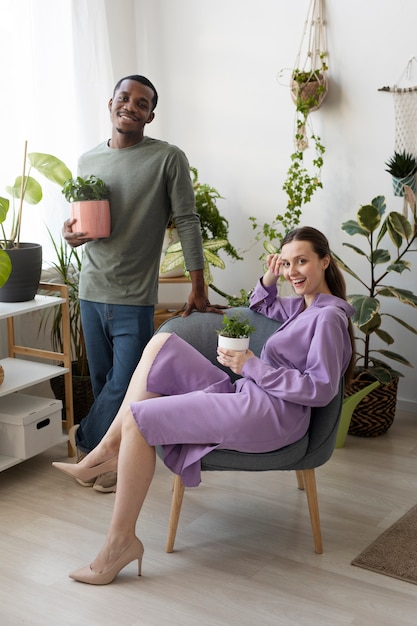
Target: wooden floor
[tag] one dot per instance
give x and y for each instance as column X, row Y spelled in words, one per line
column 244, row 552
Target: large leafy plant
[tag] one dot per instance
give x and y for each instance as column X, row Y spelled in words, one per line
column 25, row 189
column 374, row 226
column 214, row 232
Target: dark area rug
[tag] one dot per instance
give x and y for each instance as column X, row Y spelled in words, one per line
column 394, row 553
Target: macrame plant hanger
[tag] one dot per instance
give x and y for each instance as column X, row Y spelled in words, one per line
column 404, row 93
column 309, row 75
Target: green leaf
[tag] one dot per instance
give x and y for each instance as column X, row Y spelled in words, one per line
column 399, row 266
column 395, row 357
column 369, row 217
column 5, row 267
column 351, row 227
column 365, row 309
column 4, row 207
column 403, row 295
column 404, row 324
column 50, row 166
column 379, row 204
column 384, row 336
column 380, row 256
column 399, row 227
column 32, row 190
column 344, row 267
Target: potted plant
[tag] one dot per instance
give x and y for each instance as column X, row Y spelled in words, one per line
column 20, row 263
column 234, row 333
column 374, row 414
column 90, row 206
column 214, row 230
column 403, row 167
column 66, row 270
column 308, row 89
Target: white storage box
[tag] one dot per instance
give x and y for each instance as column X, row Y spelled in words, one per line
column 29, row 425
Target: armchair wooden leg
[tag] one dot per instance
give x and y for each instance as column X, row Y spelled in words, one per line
column 300, row 479
column 177, row 496
column 313, row 507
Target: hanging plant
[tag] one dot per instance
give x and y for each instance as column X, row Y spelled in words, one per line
column 308, row 88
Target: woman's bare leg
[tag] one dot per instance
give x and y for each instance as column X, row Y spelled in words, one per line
column 109, row 445
column 135, row 470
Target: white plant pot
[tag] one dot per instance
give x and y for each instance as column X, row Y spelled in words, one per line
column 234, row 343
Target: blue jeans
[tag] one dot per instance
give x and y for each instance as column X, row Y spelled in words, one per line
column 115, row 337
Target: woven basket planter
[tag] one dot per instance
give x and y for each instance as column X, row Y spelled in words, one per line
column 82, row 394
column 375, row 413
column 310, row 92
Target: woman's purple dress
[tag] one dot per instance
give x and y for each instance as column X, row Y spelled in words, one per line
column 269, row 407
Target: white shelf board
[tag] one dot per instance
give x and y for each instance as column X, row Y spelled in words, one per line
column 10, row 309
column 19, row 374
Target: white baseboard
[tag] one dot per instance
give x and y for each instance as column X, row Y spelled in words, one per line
column 405, row 405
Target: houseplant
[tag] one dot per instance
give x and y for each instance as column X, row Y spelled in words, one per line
column 403, row 167
column 234, row 333
column 214, row 231
column 90, row 206
column 66, row 270
column 19, row 278
column 308, row 89
column 375, row 413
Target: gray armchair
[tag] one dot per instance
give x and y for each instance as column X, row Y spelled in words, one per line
column 303, row 456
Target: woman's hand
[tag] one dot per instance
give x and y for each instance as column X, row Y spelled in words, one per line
column 274, row 265
column 233, row 359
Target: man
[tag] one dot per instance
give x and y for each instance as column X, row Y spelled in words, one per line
column 149, row 180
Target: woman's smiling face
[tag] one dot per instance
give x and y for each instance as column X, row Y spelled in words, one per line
column 304, row 269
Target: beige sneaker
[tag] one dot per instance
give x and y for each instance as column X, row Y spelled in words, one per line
column 79, row 455
column 106, row 483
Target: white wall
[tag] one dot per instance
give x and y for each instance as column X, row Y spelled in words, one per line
column 215, row 65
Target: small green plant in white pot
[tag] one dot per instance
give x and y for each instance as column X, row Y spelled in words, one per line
column 235, row 333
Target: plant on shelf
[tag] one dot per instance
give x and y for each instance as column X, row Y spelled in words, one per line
column 403, row 167
column 25, row 189
column 214, row 230
column 379, row 263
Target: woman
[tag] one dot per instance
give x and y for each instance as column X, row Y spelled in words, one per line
column 183, row 401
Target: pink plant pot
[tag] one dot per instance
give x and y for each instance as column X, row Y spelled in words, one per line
column 93, row 218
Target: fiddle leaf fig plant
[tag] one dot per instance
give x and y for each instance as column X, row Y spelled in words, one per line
column 374, row 227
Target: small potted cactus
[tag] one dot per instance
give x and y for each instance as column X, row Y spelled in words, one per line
column 403, row 167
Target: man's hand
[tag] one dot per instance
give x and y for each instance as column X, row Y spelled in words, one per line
column 73, row 239
column 197, row 300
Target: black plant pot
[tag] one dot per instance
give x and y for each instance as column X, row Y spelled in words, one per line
column 82, row 394
column 23, row 281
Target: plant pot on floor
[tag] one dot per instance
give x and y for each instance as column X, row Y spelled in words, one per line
column 375, row 414
column 93, row 218
column 23, row 281
column 82, row 394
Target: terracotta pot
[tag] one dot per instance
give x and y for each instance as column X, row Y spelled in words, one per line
column 93, row 218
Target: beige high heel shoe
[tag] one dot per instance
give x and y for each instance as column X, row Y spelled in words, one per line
column 133, row 551
column 86, row 473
